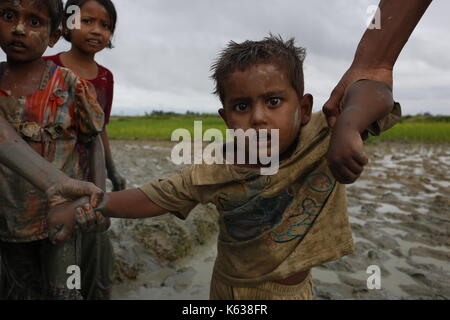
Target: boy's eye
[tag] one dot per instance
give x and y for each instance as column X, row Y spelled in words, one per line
column 240, row 107
column 106, row 26
column 274, row 101
column 8, row 15
column 86, row 21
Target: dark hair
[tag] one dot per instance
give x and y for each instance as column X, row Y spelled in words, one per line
column 55, row 9
column 107, row 4
column 55, row 12
column 272, row 49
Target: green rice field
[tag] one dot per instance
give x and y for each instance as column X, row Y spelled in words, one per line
column 160, row 127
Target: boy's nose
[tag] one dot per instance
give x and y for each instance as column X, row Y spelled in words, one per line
column 259, row 116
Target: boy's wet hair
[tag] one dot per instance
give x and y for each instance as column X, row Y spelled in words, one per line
column 55, row 12
column 107, row 4
column 272, row 49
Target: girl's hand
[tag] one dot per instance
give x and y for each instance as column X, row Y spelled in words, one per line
column 69, row 189
column 119, row 182
column 61, row 220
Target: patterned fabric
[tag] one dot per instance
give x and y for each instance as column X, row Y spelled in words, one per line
column 271, row 227
column 103, row 83
column 54, row 120
column 97, row 252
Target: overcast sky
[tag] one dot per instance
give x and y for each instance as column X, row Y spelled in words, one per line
column 164, row 49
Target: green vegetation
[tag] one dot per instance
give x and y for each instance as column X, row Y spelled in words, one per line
column 418, row 131
column 160, row 125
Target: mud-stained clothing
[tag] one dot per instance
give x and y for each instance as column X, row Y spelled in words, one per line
column 61, row 115
column 271, row 227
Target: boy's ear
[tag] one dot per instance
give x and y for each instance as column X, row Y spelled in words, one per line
column 54, row 38
column 306, row 104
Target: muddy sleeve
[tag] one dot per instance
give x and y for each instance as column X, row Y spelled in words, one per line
column 88, row 113
column 175, row 194
column 381, row 125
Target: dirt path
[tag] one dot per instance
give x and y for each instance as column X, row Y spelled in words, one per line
column 399, row 213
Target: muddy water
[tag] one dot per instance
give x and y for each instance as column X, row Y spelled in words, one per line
column 399, row 213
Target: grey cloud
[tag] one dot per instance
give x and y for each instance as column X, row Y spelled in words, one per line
column 164, row 49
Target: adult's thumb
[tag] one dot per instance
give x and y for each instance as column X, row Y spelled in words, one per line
column 331, row 107
column 96, row 196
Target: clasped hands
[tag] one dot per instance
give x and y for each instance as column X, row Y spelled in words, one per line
column 68, row 215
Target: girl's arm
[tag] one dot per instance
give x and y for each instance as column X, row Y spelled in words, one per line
column 379, row 49
column 97, row 163
column 119, row 183
column 92, row 222
column 17, row 155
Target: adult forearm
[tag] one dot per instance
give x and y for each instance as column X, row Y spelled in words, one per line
column 380, row 48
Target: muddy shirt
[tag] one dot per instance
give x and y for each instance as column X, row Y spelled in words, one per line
column 271, row 227
column 63, row 113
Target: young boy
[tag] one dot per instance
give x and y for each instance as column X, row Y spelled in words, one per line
column 273, row 229
column 54, row 111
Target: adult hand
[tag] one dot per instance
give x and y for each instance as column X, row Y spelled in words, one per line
column 331, row 107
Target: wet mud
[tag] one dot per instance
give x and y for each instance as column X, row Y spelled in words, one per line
column 399, row 213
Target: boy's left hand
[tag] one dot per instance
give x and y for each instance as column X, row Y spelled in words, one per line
column 345, row 155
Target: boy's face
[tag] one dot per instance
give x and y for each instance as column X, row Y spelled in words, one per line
column 25, row 29
column 262, row 97
column 95, row 32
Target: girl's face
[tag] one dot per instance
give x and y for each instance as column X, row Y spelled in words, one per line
column 95, row 32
